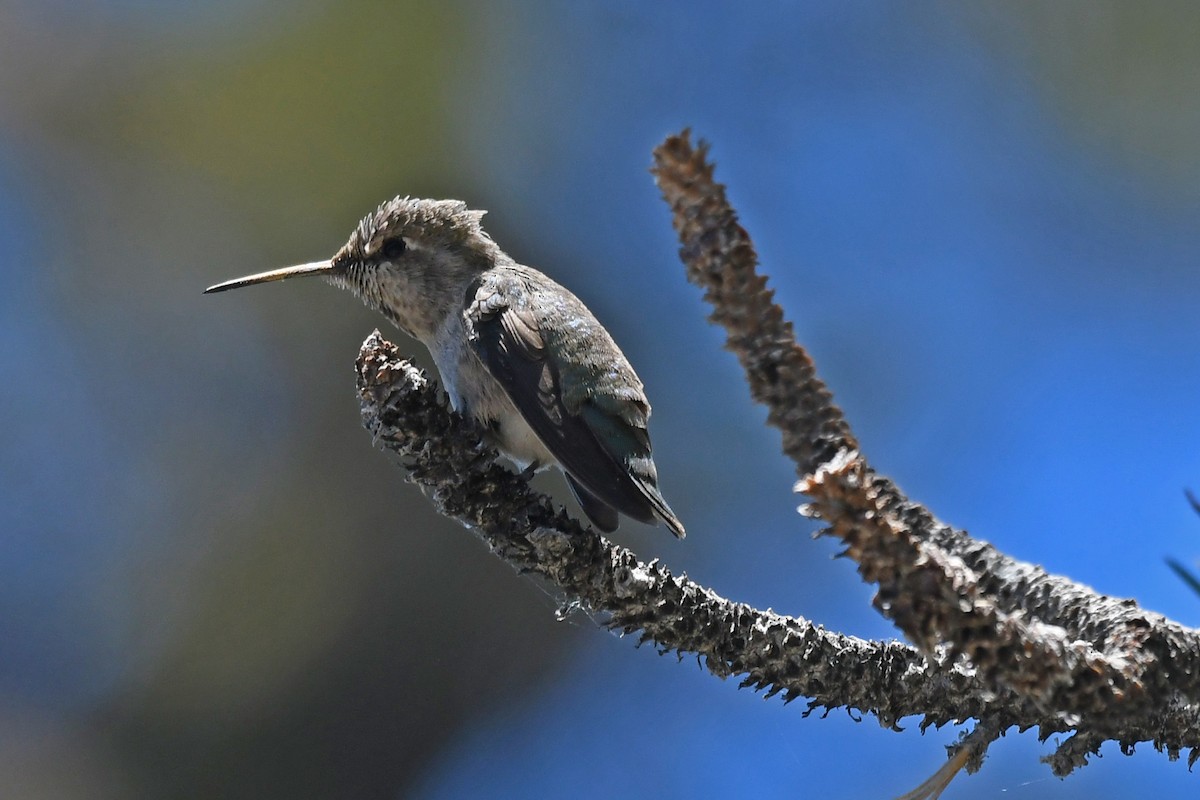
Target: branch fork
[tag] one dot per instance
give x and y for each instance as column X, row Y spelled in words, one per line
column 992, row 639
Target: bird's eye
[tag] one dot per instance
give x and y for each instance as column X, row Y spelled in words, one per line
column 393, row 248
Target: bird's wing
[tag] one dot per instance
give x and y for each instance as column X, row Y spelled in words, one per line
column 592, row 430
column 602, row 515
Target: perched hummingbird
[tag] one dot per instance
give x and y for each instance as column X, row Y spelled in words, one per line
column 515, row 350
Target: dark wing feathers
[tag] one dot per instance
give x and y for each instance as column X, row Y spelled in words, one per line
column 596, row 436
column 532, row 384
column 635, row 443
column 602, row 515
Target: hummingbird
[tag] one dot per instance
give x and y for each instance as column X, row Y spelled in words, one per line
column 516, row 351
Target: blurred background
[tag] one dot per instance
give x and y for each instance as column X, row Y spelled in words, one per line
column 982, row 218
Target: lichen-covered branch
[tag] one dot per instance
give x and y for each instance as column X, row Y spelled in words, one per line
column 1101, row 666
column 719, row 257
column 993, row 639
column 409, row 416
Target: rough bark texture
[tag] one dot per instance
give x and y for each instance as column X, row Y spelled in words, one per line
column 444, row 455
column 994, row 639
column 1101, row 666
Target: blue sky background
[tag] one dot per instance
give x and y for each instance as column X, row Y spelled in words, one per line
column 981, row 219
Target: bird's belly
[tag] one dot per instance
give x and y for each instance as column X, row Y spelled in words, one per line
column 474, row 391
column 515, row 439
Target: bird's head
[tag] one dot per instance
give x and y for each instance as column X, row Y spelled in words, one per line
column 410, row 259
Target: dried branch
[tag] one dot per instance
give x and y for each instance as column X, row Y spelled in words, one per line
column 444, row 455
column 1094, row 663
column 995, row 639
column 719, row 258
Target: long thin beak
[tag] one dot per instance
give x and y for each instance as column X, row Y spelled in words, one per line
column 315, row 268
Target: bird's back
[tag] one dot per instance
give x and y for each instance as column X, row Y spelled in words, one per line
column 573, row 387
